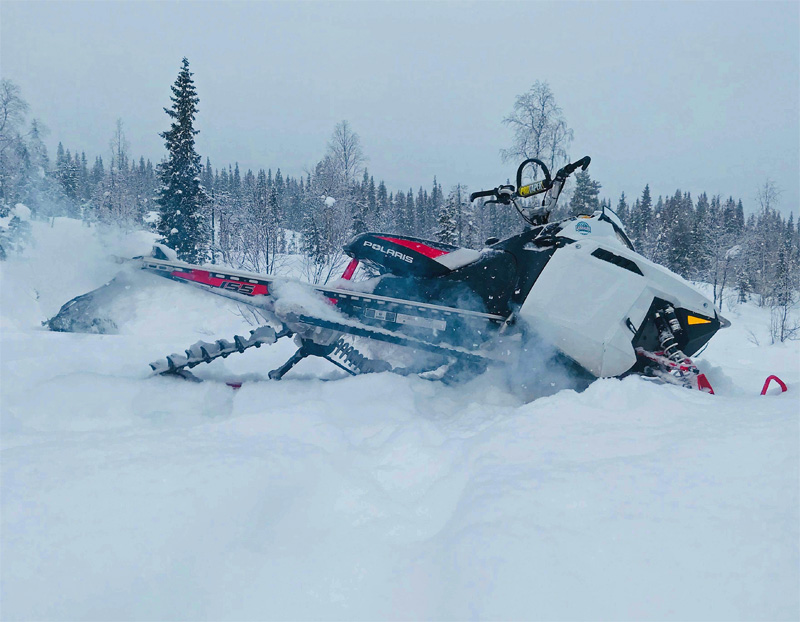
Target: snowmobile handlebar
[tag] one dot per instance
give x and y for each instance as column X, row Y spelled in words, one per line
column 565, row 172
column 505, row 194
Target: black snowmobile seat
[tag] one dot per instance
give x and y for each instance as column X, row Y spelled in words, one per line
column 407, row 256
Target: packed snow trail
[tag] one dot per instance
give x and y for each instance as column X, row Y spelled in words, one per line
column 126, row 496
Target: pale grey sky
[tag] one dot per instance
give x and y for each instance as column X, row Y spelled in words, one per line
column 697, row 96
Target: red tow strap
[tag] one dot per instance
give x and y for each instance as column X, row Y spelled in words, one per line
column 769, row 379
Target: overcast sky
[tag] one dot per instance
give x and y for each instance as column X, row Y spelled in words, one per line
column 696, row 96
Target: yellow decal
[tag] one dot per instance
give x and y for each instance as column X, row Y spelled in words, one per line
column 697, row 320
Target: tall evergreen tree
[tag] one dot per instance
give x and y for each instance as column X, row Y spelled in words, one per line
column 98, row 171
column 641, row 221
column 584, row 199
column 623, row 212
column 382, row 216
column 411, row 211
column 182, row 198
column 447, row 219
column 435, row 205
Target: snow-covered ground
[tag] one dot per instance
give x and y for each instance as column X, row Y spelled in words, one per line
column 373, row 497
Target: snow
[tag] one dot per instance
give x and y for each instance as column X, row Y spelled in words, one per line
column 167, row 252
column 329, row 497
column 21, row 211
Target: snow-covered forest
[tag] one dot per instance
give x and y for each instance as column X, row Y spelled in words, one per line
column 250, row 219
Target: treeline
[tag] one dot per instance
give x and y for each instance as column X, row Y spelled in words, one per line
column 710, row 240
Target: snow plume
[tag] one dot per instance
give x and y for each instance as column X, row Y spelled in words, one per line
column 536, row 369
column 91, row 312
column 300, row 299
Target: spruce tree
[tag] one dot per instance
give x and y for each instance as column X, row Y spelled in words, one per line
column 642, row 217
column 435, row 204
column 623, row 212
column 359, row 213
column 421, row 212
column 382, row 216
column 182, row 198
column 447, row 219
column 584, row 199
column 411, row 212
column 98, row 171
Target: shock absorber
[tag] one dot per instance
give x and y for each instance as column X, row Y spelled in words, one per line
column 667, row 325
column 672, row 320
column 671, row 364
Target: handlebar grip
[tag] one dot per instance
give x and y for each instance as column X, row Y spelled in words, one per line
column 482, row 193
column 582, row 164
column 571, row 168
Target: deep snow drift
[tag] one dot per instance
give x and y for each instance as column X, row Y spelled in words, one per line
column 322, row 496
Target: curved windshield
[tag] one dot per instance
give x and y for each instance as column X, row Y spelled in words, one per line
column 610, row 216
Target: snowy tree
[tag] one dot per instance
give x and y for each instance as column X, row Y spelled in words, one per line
column 382, row 218
column 539, row 127
column 623, row 211
column 400, row 221
column 13, row 151
column 434, row 205
column 39, row 159
column 671, row 237
column 360, row 209
column 13, row 109
column 181, row 198
column 225, row 217
column 724, row 251
column 116, row 194
column 782, row 325
column 447, row 232
column 24, row 165
column 261, row 234
column 346, row 154
column 453, row 225
column 411, row 212
column 15, row 229
column 699, row 243
column 325, row 230
column 98, row 171
column 584, row 197
column 641, row 221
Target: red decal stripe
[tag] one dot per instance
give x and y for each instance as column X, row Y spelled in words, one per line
column 350, row 269
column 204, row 277
column 422, row 249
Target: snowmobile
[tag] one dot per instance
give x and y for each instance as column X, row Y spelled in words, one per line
column 576, row 285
